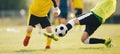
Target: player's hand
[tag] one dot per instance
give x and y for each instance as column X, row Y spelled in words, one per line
column 56, row 11
column 72, row 15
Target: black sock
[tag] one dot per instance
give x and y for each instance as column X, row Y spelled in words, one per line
column 69, row 26
column 96, row 41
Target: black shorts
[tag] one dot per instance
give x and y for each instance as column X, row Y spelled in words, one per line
column 78, row 11
column 91, row 22
column 43, row 21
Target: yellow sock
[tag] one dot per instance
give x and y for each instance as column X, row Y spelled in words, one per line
column 48, row 41
column 56, row 22
column 28, row 34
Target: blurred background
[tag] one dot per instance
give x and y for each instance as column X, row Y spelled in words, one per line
column 14, row 12
column 13, row 15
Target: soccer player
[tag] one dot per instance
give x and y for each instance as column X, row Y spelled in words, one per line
column 38, row 15
column 78, row 6
column 78, row 9
column 64, row 7
column 64, row 12
column 93, row 19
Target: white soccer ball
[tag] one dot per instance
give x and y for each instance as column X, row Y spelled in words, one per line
column 61, row 30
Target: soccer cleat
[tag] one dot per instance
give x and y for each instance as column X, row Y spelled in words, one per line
column 26, row 40
column 51, row 36
column 47, row 47
column 108, row 43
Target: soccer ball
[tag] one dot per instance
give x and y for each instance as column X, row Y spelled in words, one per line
column 61, row 30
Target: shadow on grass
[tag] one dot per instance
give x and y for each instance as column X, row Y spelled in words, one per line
column 30, row 50
column 91, row 48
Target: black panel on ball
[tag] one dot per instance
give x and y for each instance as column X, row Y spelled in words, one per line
column 61, row 28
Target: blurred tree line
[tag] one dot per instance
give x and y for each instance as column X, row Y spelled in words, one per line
column 12, row 8
column 18, row 8
column 12, row 4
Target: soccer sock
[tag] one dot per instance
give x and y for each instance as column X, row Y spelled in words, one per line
column 48, row 40
column 94, row 41
column 70, row 24
column 56, row 22
column 28, row 34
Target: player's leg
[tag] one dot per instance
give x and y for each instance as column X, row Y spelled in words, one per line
column 63, row 21
column 71, row 23
column 50, row 36
column 28, row 35
column 92, row 23
column 74, row 21
column 31, row 24
column 57, row 22
column 78, row 11
column 85, row 39
column 64, row 12
column 90, row 28
column 46, row 24
column 49, row 32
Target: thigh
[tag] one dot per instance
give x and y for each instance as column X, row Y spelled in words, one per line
column 44, row 22
column 33, row 20
column 84, row 18
column 91, row 29
column 92, row 24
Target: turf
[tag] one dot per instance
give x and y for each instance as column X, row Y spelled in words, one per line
column 11, row 42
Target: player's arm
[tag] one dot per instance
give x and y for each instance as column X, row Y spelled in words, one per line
column 56, row 10
column 54, row 3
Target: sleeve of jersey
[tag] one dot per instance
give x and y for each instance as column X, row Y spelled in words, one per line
column 54, row 3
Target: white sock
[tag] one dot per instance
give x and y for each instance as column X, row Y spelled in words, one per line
column 71, row 22
column 87, row 41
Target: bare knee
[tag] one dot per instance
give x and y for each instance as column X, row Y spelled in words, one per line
column 48, row 29
column 84, row 37
column 83, row 40
column 29, row 29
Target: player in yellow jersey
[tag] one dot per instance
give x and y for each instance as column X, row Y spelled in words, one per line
column 93, row 19
column 78, row 9
column 78, row 6
column 38, row 15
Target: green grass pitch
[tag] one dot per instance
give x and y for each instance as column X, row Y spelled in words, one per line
column 11, row 42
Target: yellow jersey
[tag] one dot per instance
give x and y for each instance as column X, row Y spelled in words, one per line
column 40, row 8
column 77, row 3
column 104, row 9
